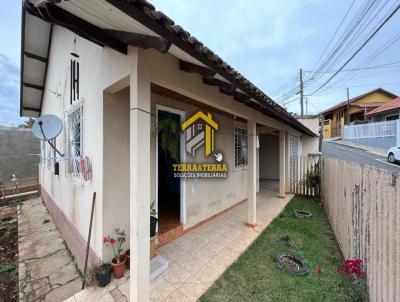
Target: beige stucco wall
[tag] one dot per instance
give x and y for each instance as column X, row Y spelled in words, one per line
column 205, row 197
column 269, row 156
column 311, row 123
column 309, row 144
column 116, row 164
column 99, row 68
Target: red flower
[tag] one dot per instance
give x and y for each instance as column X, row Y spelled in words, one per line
column 105, row 240
column 112, row 241
column 354, row 267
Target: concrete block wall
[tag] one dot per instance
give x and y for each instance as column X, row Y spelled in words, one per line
column 19, row 153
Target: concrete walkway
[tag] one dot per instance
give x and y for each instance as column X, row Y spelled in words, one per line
column 199, row 257
column 46, row 270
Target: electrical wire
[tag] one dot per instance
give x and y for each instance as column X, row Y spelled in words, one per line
column 366, row 61
column 359, row 49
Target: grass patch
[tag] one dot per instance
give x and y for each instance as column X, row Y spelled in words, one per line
column 7, row 268
column 255, row 276
column 16, row 202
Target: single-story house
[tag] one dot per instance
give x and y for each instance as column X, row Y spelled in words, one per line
column 387, row 112
column 113, row 71
column 336, row 117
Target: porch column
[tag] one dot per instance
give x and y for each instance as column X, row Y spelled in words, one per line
column 282, row 164
column 140, row 135
column 251, row 173
column 287, row 168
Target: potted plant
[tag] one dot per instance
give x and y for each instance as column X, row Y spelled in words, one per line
column 128, row 258
column 103, row 275
column 116, row 241
column 99, row 274
column 153, row 219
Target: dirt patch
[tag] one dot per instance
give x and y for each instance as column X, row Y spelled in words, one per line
column 9, row 251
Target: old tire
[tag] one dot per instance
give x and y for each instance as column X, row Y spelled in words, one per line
column 302, row 214
column 302, row 266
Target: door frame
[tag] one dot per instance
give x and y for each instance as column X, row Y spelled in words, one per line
column 182, row 209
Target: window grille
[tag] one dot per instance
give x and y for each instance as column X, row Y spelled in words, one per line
column 240, row 146
column 74, row 142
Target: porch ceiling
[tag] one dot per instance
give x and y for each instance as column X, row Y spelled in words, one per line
column 35, row 43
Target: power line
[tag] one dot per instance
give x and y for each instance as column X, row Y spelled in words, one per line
column 369, row 59
column 345, row 39
column 359, row 49
column 336, row 31
column 382, row 66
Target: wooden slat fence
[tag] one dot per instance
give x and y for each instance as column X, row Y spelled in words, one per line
column 299, row 168
column 363, row 207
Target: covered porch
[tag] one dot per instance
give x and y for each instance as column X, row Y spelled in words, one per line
column 133, row 170
column 202, row 254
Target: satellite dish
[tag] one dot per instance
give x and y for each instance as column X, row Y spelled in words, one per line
column 46, row 128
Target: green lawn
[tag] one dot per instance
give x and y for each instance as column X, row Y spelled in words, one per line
column 255, row 276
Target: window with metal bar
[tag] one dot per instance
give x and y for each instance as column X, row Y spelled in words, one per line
column 74, row 141
column 240, row 136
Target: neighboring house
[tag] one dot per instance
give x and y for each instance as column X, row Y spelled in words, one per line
column 335, row 117
column 19, row 153
column 387, row 112
column 111, row 71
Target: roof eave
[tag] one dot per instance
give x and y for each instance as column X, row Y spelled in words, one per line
column 144, row 13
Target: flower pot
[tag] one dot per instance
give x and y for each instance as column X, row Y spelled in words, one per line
column 118, row 268
column 103, row 276
column 128, row 259
column 153, row 225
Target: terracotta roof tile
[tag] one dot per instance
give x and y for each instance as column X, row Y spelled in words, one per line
column 169, row 24
column 394, row 104
column 344, row 103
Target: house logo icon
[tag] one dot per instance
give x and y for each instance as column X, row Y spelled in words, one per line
column 200, row 130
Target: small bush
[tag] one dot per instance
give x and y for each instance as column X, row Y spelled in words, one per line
column 313, row 178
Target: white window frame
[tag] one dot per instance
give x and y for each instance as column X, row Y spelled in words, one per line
column 242, row 127
column 72, row 160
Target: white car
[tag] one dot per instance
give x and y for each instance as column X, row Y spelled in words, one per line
column 393, row 154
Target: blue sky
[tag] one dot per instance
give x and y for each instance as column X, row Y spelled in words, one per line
column 267, row 41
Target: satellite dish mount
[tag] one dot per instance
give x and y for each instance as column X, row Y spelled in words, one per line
column 46, row 128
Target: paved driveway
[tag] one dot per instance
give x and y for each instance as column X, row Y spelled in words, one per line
column 354, row 154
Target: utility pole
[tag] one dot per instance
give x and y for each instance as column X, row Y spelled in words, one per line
column 348, row 107
column 301, row 92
